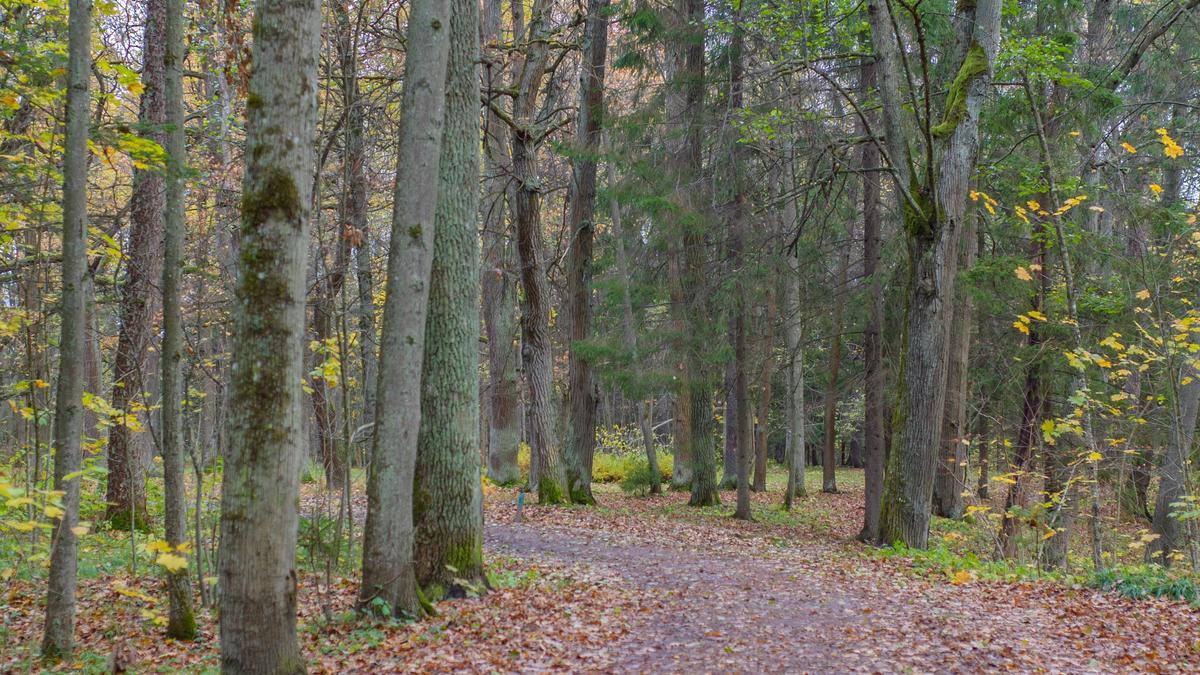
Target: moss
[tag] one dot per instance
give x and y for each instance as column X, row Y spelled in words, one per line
column 549, row 491
column 415, row 231
column 975, row 64
column 253, row 101
column 182, row 626
column 278, row 195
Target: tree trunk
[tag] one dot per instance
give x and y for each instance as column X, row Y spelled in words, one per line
column 874, row 409
column 983, row 439
column 536, row 354
column 581, row 396
column 729, row 478
column 828, row 461
column 181, row 623
column 934, row 206
column 140, row 297
column 502, row 394
column 1173, row 484
column 795, row 344
column 261, row 478
column 447, row 495
column 58, row 639
column 762, row 428
column 388, row 572
column 951, row 479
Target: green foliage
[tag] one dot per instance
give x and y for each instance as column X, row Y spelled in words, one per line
column 1145, row 581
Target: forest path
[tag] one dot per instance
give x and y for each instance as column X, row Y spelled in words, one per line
column 719, row 595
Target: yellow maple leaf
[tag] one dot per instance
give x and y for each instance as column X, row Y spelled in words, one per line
column 1143, row 294
column 158, row 546
column 1129, row 148
column 1023, row 274
column 173, row 563
column 962, row 577
column 1156, row 188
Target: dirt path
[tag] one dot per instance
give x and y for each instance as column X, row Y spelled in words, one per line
column 728, row 599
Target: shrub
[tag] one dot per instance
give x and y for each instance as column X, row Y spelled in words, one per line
column 1145, row 581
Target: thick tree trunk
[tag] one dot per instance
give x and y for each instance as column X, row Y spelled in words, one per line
column 934, row 208
column 58, row 639
column 389, row 577
column 181, row 623
column 581, row 394
column 261, row 478
column 447, row 495
column 140, row 297
column 951, row 479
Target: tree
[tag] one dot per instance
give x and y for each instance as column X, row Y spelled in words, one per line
column 59, row 637
column 262, row 470
column 140, row 299
column 388, row 572
column 933, row 201
column 181, row 624
column 447, row 495
column 581, row 396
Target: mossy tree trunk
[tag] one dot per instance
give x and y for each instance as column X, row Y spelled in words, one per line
column 262, row 470
column 447, row 495
column 933, row 196
column 951, row 479
column 58, row 639
column 181, row 623
column 388, row 572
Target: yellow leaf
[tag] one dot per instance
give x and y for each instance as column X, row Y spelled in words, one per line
column 1023, row 274
column 1094, row 456
column 1156, row 188
column 80, row 530
column 158, row 546
column 962, row 577
column 52, row 511
column 1143, row 294
column 1129, row 148
column 173, row 563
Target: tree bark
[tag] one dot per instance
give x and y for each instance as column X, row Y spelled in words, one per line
column 181, row 623
column 388, row 572
column 874, row 408
column 536, row 354
column 581, row 396
column 58, row 639
column 934, row 205
column 447, row 495
column 140, row 297
column 762, row 428
column 261, row 478
column 498, row 293
column 951, row 479
column 1174, row 480
column 795, row 344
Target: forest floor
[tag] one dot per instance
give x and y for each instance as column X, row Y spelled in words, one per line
column 647, row 584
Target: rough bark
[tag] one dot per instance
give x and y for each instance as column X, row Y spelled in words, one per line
column 140, row 295
column 765, row 375
column 934, row 205
column 729, row 456
column 181, row 623
column 261, row 478
column 581, row 385
column 447, row 495
column 58, row 639
column 536, row 354
column 951, row 479
column 388, row 572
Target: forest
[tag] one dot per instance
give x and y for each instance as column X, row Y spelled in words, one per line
column 599, row 336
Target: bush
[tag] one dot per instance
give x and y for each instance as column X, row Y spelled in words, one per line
column 638, row 479
column 609, row 467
